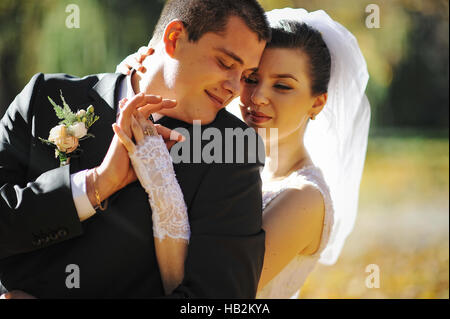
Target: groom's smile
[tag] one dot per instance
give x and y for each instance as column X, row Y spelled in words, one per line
column 217, row 101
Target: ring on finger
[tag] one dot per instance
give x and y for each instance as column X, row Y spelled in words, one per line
column 149, row 131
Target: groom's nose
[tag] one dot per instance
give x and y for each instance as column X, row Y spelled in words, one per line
column 233, row 84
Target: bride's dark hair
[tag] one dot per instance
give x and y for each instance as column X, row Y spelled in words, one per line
column 297, row 35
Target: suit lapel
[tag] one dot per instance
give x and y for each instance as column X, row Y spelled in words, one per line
column 104, row 95
column 105, row 91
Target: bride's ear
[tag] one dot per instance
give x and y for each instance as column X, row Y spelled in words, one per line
column 175, row 31
column 319, row 103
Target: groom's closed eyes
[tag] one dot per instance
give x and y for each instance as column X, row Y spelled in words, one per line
column 230, row 55
column 227, row 60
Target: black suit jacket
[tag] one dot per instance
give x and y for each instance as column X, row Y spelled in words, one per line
column 41, row 235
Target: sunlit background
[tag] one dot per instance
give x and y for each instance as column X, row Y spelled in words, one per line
column 403, row 221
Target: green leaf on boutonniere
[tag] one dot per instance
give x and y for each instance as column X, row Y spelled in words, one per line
column 91, row 118
column 64, row 113
column 70, row 116
column 58, row 109
column 63, row 158
column 94, row 120
column 47, row 142
column 88, row 135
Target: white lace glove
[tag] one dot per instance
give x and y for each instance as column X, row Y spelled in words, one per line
column 153, row 166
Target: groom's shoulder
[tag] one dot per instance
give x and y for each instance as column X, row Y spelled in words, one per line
column 42, row 85
column 226, row 120
column 63, row 79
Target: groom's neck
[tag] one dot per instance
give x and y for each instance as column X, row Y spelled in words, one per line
column 152, row 82
column 148, row 84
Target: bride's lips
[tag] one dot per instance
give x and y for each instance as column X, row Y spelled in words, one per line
column 258, row 117
column 216, row 100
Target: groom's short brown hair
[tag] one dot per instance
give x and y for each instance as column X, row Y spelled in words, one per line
column 202, row 16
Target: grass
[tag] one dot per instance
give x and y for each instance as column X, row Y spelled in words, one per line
column 402, row 225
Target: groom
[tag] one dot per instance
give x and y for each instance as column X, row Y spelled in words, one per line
column 49, row 230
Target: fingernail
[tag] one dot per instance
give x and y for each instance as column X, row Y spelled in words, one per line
column 180, row 137
column 6, row 296
column 174, row 136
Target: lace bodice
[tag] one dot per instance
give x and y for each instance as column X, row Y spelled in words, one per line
column 288, row 282
column 154, row 169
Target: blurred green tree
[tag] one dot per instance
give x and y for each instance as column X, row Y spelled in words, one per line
column 418, row 96
column 34, row 38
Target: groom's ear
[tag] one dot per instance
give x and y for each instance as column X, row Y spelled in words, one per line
column 175, row 31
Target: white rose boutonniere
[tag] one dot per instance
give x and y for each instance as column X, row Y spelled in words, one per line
column 78, row 130
column 64, row 141
column 73, row 128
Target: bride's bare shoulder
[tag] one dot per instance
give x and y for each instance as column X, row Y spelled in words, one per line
column 299, row 209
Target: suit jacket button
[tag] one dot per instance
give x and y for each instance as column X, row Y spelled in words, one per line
column 62, row 232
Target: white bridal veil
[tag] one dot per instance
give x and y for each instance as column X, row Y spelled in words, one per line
column 337, row 139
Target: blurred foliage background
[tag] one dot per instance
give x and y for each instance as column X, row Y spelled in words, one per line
column 402, row 224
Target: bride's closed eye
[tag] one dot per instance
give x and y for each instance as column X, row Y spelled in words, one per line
column 283, row 87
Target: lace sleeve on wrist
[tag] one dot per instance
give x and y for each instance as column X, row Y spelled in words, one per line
column 154, row 169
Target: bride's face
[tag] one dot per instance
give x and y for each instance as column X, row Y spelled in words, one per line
column 278, row 95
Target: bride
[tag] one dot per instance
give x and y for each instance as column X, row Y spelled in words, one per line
column 313, row 70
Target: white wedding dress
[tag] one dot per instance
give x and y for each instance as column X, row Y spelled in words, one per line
column 288, row 282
